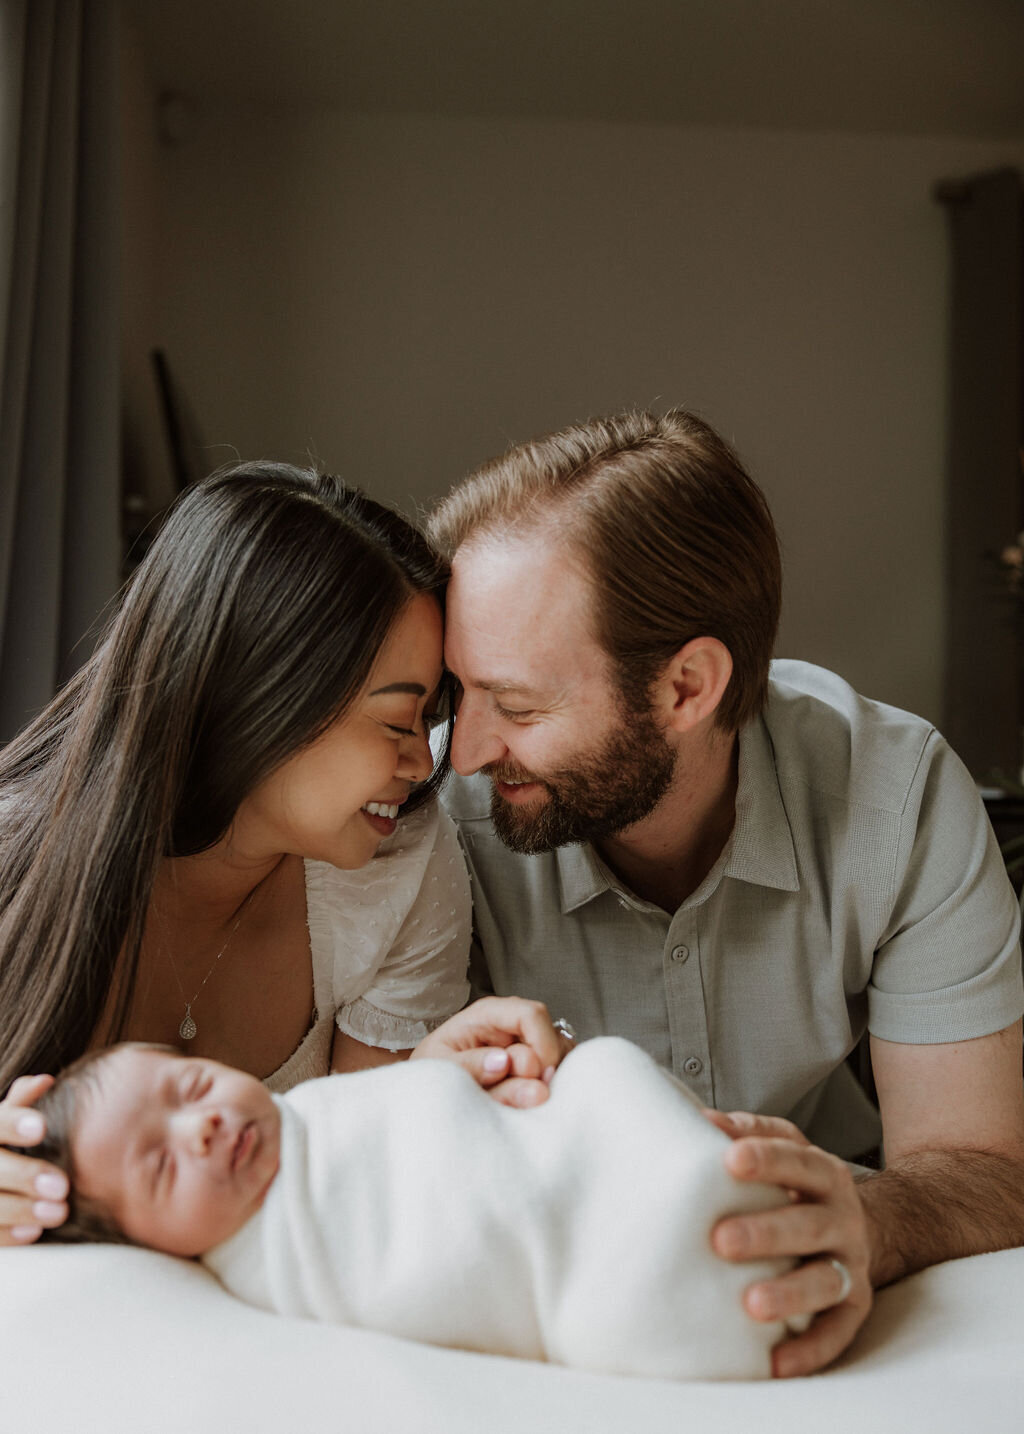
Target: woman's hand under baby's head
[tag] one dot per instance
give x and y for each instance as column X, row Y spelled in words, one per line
column 178, row 1150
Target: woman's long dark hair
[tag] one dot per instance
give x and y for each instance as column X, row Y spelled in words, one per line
column 251, row 624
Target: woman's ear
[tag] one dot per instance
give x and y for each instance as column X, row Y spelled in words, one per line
column 692, row 683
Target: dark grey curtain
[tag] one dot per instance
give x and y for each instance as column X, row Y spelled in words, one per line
column 59, row 340
column 984, row 706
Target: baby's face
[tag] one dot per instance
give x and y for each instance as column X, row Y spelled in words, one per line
column 181, row 1151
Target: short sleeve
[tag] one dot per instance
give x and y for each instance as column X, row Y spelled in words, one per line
column 949, row 965
column 419, row 978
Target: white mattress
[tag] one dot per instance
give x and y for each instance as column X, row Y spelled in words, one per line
column 118, row 1340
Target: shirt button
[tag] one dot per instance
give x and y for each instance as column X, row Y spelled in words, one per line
column 693, row 1066
column 680, row 953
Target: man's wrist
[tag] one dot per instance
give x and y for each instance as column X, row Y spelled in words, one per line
column 938, row 1205
column 884, row 1262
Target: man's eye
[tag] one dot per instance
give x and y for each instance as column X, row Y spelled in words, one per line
column 511, row 713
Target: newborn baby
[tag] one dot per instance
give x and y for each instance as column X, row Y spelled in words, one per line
column 403, row 1199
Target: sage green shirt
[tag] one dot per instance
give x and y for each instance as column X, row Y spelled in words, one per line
column 861, row 887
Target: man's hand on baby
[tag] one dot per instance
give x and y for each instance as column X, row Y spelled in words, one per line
column 508, row 1045
column 824, row 1222
column 32, row 1194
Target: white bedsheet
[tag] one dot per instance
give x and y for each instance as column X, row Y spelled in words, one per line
column 121, row 1341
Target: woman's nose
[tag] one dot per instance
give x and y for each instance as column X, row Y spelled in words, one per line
column 415, row 760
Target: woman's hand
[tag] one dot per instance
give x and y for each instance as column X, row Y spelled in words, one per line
column 508, row 1045
column 33, row 1195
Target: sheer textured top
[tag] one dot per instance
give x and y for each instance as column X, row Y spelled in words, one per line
column 389, row 944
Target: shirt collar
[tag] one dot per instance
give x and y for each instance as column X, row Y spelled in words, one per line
column 760, row 850
column 581, row 876
column 762, row 845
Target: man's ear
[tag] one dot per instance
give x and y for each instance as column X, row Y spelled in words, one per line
column 693, row 682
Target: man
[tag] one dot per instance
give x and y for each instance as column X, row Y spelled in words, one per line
column 742, row 871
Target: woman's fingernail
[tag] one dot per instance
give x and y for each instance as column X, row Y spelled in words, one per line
column 48, row 1212
column 25, row 1234
column 30, row 1126
column 52, row 1186
column 495, row 1061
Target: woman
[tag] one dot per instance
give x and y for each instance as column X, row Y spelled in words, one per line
column 183, row 829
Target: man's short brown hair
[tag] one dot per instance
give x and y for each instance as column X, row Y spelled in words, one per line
column 677, row 539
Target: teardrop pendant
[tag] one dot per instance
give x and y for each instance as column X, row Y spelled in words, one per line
column 187, row 1029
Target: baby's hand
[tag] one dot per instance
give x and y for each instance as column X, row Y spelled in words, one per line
column 508, row 1045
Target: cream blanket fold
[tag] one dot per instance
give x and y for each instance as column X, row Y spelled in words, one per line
column 578, row 1232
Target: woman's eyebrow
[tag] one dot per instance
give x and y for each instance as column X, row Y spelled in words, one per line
column 414, row 689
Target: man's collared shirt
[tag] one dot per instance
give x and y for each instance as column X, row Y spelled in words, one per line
column 862, row 887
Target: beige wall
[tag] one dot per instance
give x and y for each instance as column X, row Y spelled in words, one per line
column 403, row 296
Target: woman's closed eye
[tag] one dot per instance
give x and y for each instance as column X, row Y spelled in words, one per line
column 400, row 731
column 431, row 720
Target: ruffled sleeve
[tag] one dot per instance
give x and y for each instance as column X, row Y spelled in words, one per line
column 396, row 933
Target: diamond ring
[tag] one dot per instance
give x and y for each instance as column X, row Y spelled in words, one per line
column 564, row 1029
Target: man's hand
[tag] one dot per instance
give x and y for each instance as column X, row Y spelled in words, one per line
column 508, row 1045
column 824, row 1221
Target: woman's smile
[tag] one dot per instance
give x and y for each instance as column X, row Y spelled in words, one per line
column 382, row 816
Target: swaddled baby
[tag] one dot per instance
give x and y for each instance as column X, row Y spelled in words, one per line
column 403, row 1199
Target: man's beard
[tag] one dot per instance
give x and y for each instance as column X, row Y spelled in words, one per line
column 607, row 791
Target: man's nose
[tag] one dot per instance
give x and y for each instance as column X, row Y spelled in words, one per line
column 196, row 1127
column 474, row 742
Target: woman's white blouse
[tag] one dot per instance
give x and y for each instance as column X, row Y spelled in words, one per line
column 389, row 942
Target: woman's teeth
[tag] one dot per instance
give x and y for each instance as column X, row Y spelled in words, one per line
column 382, row 809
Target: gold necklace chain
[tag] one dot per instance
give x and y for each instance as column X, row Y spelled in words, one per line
column 188, row 1028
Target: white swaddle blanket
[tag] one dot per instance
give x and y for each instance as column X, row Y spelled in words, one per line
column 578, row 1232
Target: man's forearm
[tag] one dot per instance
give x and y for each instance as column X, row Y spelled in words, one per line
column 941, row 1205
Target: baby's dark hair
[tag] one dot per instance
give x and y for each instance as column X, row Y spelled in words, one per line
column 88, row 1222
